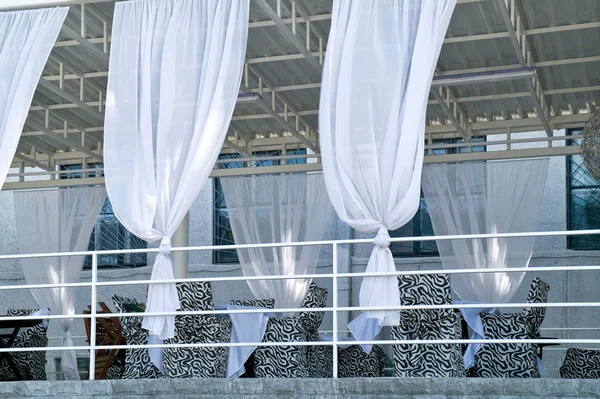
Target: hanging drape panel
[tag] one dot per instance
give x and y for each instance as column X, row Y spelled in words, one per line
column 277, row 208
column 175, row 71
column 26, row 39
column 50, row 221
column 485, row 198
column 381, row 57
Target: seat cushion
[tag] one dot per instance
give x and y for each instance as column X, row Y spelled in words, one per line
column 282, row 361
column 424, row 360
column 137, row 360
column 353, row 362
column 506, row 360
column 581, row 363
column 31, row 365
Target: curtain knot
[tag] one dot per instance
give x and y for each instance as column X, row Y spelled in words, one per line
column 165, row 246
column 382, row 239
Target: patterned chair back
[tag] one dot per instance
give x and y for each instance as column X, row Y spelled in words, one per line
column 425, row 289
column 538, row 293
column 581, row 363
column 316, row 297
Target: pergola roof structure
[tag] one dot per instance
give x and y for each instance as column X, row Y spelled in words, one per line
column 506, row 67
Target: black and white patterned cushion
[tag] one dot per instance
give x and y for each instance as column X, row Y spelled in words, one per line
column 197, row 362
column 435, row 360
column 137, row 360
column 31, row 365
column 195, row 295
column 581, row 363
column 424, row 360
column 424, row 289
column 316, row 297
column 353, row 362
column 255, row 303
column 508, row 360
column 534, row 316
column 292, row 361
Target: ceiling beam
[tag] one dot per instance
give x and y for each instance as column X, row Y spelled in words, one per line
column 32, row 162
column 65, row 140
column 285, row 124
column 69, row 97
column 237, row 148
column 90, row 48
column 513, row 21
column 451, row 114
column 289, row 35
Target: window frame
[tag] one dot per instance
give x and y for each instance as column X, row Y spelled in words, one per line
column 577, row 243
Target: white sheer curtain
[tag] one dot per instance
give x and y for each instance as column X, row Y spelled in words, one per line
column 175, row 71
column 50, row 221
column 485, row 198
column 26, row 39
column 277, row 208
column 381, row 57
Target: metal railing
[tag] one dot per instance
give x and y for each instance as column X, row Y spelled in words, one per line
column 335, row 275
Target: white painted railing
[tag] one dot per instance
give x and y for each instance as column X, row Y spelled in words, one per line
column 334, row 309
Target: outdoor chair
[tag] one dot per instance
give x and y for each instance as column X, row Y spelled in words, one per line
column 512, row 360
column 137, row 360
column 291, row 361
column 110, row 364
column 435, row 360
column 197, row 362
column 581, row 363
column 30, row 365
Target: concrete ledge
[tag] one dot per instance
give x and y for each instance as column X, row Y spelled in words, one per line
column 368, row 388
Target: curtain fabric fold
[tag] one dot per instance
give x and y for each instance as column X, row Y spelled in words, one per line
column 175, row 71
column 26, row 39
column 381, row 57
column 277, row 208
column 485, row 198
column 50, row 221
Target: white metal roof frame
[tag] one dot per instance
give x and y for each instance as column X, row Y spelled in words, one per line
column 506, row 67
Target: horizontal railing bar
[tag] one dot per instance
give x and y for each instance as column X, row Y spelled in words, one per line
column 313, row 343
column 309, row 276
column 303, row 310
column 307, row 243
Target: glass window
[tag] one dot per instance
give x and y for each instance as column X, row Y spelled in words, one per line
column 222, row 234
column 109, row 233
column 583, row 200
column 420, row 225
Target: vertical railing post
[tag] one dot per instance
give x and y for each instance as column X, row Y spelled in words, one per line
column 335, row 309
column 92, row 372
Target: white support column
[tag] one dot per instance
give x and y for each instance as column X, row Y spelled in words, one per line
column 181, row 238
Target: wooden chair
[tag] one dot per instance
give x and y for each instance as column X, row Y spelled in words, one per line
column 109, row 363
